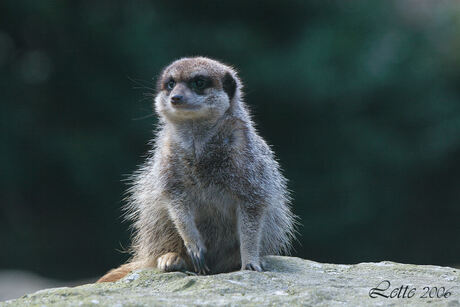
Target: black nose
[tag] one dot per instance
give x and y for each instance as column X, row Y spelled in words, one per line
column 176, row 99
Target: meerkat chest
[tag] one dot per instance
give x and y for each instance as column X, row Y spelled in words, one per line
column 208, row 170
column 205, row 178
column 211, row 169
column 202, row 155
column 212, row 200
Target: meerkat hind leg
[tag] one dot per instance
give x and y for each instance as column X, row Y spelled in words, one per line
column 171, row 262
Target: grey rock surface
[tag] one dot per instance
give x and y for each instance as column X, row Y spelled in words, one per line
column 287, row 282
column 15, row 283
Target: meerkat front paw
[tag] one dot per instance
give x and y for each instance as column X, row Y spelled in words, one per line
column 252, row 266
column 196, row 253
column 171, row 262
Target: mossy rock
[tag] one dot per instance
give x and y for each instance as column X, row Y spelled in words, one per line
column 288, row 281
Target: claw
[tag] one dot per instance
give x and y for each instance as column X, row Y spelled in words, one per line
column 202, row 264
column 263, row 265
column 198, row 260
column 253, row 267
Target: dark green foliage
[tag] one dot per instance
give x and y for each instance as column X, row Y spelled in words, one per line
column 360, row 101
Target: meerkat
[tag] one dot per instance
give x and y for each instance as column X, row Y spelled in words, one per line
column 210, row 198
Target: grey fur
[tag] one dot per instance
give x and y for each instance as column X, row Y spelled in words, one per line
column 211, row 191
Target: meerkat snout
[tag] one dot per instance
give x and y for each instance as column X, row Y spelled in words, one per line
column 180, row 95
column 177, row 99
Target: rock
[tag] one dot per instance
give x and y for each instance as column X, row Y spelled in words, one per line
column 15, row 283
column 288, row 281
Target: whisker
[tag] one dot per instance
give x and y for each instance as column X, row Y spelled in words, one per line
column 144, row 99
column 141, row 84
column 145, row 85
column 144, row 117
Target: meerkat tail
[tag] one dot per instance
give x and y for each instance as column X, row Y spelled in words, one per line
column 120, row 272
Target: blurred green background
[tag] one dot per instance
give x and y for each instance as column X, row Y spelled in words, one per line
column 360, row 100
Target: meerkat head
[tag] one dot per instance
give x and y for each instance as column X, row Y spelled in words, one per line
column 196, row 88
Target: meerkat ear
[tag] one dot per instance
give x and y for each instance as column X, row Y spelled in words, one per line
column 229, row 85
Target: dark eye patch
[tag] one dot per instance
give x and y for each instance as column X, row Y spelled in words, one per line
column 199, row 83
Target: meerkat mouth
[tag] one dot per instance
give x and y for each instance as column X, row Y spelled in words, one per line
column 185, row 106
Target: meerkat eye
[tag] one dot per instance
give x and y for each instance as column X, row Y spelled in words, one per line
column 198, row 84
column 170, row 85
